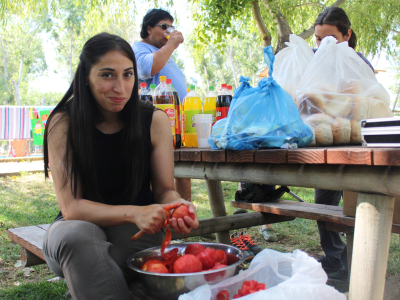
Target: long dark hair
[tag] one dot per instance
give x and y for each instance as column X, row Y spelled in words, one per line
column 337, row 16
column 151, row 18
column 81, row 107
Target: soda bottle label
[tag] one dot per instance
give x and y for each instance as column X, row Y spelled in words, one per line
column 170, row 111
column 221, row 113
column 190, row 125
column 211, row 112
column 178, row 123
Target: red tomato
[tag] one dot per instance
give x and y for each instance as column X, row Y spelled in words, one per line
column 208, row 258
column 188, row 263
column 157, row 268
column 223, row 259
column 212, row 276
column 232, row 258
column 150, row 263
column 223, row 295
column 194, row 249
column 181, row 212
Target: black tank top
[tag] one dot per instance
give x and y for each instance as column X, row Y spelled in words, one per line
column 108, row 160
column 109, row 164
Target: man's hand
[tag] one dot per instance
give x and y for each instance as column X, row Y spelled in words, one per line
column 175, row 39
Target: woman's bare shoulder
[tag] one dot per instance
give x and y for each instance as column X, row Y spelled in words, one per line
column 58, row 126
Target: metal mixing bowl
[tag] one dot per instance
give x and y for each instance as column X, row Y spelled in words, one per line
column 170, row 286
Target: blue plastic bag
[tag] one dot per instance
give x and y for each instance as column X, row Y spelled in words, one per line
column 261, row 117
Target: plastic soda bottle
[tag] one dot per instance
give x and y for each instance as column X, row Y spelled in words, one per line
column 230, row 91
column 152, row 91
column 223, row 103
column 164, row 100
column 178, row 139
column 191, row 107
column 144, row 93
column 209, row 106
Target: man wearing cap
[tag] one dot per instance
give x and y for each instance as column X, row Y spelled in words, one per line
column 153, row 56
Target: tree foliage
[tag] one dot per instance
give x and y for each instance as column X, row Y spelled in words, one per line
column 373, row 21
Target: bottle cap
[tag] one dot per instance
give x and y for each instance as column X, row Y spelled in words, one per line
column 211, row 88
column 188, row 90
column 222, row 85
column 143, row 85
column 229, row 87
column 192, row 87
column 163, row 78
column 153, row 86
column 169, row 81
column 172, row 85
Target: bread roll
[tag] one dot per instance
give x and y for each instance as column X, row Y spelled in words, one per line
column 313, row 143
column 328, row 90
column 378, row 109
column 323, row 134
column 340, row 106
column 316, row 119
column 341, row 131
column 355, row 137
column 360, row 108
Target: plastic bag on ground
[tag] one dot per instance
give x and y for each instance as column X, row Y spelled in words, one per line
column 260, row 117
column 291, row 63
column 287, row 276
column 338, row 90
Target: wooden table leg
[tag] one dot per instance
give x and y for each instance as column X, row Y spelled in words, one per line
column 371, row 246
column 217, row 204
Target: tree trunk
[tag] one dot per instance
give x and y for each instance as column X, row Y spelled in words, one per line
column 17, row 83
column 70, row 56
column 205, row 72
column 282, row 24
column 309, row 32
column 231, row 54
column 397, row 98
column 4, row 69
column 260, row 24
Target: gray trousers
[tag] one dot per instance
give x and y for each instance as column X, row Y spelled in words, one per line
column 93, row 260
column 331, row 242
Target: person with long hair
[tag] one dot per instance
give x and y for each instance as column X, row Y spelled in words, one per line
column 333, row 21
column 111, row 160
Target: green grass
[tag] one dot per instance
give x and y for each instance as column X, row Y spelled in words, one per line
column 30, row 200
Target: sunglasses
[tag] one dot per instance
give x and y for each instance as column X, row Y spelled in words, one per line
column 165, row 26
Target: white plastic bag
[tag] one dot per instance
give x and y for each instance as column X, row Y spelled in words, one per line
column 287, row 276
column 291, row 63
column 338, row 90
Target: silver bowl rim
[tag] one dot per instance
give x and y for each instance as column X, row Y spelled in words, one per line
column 242, row 259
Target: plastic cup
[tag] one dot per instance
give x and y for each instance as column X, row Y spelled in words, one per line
column 203, row 129
column 168, row 32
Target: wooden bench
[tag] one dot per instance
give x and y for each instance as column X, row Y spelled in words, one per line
column 31, row 237
column 333, row 215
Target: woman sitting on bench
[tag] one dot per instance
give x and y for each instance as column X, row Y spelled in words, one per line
column 105, row 148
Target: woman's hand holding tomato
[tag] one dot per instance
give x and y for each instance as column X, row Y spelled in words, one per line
column 151, row 219
column 184, row 219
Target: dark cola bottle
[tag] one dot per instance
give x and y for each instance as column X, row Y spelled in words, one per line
column 144, row 93
column 178, row 136
column 223, row 103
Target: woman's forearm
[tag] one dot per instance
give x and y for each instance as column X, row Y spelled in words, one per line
column 100, row 214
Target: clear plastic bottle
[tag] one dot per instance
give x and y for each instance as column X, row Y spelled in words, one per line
column 209, row 106
column 191, row 107
column 164, row 100
column 144, row 93
column 152, row 91
column 178, row 109
column 223, row 103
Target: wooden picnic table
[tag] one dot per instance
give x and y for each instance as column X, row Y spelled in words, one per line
column 373, row 172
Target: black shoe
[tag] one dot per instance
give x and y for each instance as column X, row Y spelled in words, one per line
column 330, row 264
column 256, row 193
column 342, row 275
column 252, row 245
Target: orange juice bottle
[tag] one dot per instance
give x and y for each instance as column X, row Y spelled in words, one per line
column 191, row 107
column 164, row 100
column 209, row 106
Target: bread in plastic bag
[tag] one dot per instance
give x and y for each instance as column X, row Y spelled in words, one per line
column 287, row 276
column 291, row 63
column 260, row 117
column 339, row 84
